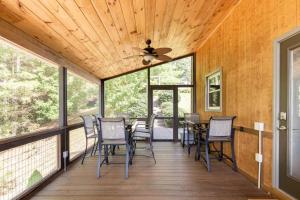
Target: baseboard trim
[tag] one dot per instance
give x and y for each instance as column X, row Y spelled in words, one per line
column 273, row 192
column 280, row 194
column 252, row 179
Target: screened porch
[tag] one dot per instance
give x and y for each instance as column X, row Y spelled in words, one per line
column 149, row 99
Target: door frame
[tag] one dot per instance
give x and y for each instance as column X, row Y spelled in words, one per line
column 175, row 107
column 276, row 105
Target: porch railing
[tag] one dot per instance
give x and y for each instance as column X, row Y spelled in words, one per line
column 29, row 160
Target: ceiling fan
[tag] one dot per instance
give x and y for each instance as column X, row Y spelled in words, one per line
column 149, row 53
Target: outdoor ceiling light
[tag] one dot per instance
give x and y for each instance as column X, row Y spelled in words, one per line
column 148, row 57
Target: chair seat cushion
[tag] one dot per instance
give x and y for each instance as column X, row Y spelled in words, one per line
column 116, row 142
column 141, row 134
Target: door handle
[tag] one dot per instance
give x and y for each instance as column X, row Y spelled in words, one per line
column 282, row 128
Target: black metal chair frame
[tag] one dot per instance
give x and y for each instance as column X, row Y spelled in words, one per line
column 101, row 143
column 220, row 154
column 94, row 136
column 186, row 129
column 148, row 129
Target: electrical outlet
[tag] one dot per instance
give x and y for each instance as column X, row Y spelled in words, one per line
column 259, row 126
column 258, row 157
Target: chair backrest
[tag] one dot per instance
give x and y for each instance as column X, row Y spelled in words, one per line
column 97, row 123
column 126, row 116
column 88, row 124
column 151, row 123
column 112, row 129
column 192, row 117
column 220, row 126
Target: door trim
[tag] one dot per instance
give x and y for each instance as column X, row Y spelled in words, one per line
column 276, row 86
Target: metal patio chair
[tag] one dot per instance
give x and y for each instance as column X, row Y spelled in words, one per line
column 112, row 132
column 188, row 136
column 97, row 124
column 220, row 130
column 126, row 116
column 144, row 132
column 89, row 129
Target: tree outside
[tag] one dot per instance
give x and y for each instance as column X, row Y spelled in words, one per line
column 128, row 93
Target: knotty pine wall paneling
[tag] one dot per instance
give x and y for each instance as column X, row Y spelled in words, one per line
column 243, row 47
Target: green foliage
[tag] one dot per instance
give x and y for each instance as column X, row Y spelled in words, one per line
column 127, row 94
column 178, row 72
column 28, row 92
column 82, row 97
column 35, row 177
column 167, row 109
column 164, row 97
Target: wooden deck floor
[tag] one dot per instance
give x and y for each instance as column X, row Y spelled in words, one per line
column 175, row 176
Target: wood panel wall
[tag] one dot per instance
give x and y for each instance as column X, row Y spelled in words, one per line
column 243, row 47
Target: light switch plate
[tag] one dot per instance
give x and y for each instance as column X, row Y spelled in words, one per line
column 259, row 126
column 65, row 154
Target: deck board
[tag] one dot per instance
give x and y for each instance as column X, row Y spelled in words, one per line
column 175, row 176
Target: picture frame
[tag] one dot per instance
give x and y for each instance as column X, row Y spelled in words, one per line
column 213, row 91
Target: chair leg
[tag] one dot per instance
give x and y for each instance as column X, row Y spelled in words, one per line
column 96, row 148
column 106, row 153
column 207, row 155
column 183, row 136
column 84, row 151
column 134, row 148
column 130, row 153
column 127, row 162
column 234, row 166
column 221, row 152
column 151, row 148
column 93, row 149
column 188, row 141
column 99, row 160
column 113, row 150
column 198, row 150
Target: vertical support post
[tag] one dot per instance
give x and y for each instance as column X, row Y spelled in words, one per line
column 64, row 137
column 102, row 98
column 149, row 112
column 194, row 98
column 99, row 98
column 175, row 109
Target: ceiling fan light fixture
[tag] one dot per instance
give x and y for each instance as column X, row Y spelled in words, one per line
column 148, row 57
column 149, row 53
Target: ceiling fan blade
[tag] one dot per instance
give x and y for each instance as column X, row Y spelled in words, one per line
column 134, row 56
column 146, row 62
column 163, row 58
column 160, row 51
column 139, row 50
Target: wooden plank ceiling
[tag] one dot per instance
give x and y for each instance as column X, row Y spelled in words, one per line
column 97, row 34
